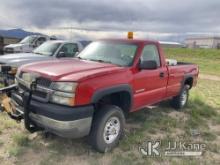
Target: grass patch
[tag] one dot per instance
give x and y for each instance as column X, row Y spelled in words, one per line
column 130, row 159
column 1, row 143
column 20, row 139
column 203, row 104
column 15, row 151
column 20, row 143
column 216, row 119
column 214, row 148
column 52, row 159
column 207, row 59
column 208, row 136
column 132, row 140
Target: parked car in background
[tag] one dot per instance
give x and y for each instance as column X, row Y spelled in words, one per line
column 27, row 44
column 6, row 41
column 48, row 50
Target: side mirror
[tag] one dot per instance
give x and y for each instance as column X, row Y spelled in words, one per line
column 148, row 65
column 61, row 54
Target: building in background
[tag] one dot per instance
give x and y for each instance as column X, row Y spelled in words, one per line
column 6, row 41
column 203, row 42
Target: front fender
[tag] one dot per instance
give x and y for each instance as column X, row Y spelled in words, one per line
column 110, row 90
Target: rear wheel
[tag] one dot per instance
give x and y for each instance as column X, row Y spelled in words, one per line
column 180, row 101
column 107, row 128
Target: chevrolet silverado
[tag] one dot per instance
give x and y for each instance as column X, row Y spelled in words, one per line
column 92, row 94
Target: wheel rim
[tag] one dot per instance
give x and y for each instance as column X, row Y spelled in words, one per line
column 183, row 98
column 111, row 130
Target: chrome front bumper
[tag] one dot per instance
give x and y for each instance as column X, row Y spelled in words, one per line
column 69, row 129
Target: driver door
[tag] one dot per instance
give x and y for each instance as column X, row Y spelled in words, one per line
column 149, row 85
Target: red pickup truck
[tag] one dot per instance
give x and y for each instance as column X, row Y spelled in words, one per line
column 91, row 94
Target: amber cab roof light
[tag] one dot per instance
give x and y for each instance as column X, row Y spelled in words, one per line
column 130, row 35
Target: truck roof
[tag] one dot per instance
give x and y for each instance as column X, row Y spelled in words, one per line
column 62, row 41
column 131, row 41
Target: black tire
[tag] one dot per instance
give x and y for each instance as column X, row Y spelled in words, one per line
column 100, row 121
column 177, row 102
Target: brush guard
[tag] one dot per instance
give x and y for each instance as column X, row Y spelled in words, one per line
column 29, row 125
column 13, row 111
column 5, row 94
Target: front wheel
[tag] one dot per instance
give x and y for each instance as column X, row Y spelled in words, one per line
column 180, row 101
column 107, row 128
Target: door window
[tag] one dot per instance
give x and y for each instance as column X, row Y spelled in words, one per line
column 150, row 53
column 69, row 50
column 40, row 41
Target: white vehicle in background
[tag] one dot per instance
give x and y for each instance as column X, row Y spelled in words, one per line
column 50, row 50
column 28, row 44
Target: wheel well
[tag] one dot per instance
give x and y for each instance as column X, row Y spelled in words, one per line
column 189, row 81
column 121, row 99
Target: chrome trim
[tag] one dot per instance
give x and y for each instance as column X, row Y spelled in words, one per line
column 140, row 90
column 73, row 129
column 18, row 108
column 64, row 94
column 26, row 84
column 44, row 89
column 47, row 91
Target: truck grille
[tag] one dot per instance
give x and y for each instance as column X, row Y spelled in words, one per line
column 39, row 95
column 44, row 82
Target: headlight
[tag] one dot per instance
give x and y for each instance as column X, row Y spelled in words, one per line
column 64, row 93
column 63, row 98
column 65, row 86
column 28, row 77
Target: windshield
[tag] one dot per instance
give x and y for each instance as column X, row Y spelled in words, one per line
column 121, row 54
column 47, row 48
column 28, row 40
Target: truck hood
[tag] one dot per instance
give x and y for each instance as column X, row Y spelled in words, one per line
column 70, row 69
column 19, row 59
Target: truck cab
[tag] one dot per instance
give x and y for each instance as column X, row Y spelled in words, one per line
column 93, row 93
column 28, row 44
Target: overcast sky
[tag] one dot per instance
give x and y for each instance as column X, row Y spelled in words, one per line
column 152, row 17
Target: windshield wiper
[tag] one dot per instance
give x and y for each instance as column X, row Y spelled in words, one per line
column 102, row 61
column 96, row 60
column 83, row 58
column 37, row 53
column 79, row 57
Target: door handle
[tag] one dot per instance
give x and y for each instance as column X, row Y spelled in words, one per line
column 162, row 74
